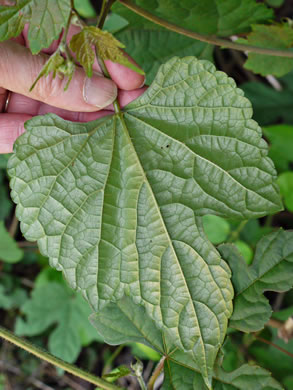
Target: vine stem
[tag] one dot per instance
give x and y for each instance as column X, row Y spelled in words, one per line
column 214, row 40
column 42, row 354
column 235, row 234
column 106, row 6
column 156, row 373
column 274, row 345
column 111, row 359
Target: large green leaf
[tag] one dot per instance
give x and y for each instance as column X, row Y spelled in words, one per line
column 272, row 269
column 203, row 16
column 151, row 48
column 46, row 19
column 55, row 304
column 124, row 322
column 115, row 203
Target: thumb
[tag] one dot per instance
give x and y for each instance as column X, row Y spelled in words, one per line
column 19, row 69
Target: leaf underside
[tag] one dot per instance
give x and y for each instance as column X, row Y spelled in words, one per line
column 125, row 322
column 116, row 203
column 271, row 270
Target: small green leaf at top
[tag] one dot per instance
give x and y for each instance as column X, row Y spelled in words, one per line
column 276, row 36
column 271, row 270
column 116, row 204
column 9, row 250
column 46, row 20
column 107, row 47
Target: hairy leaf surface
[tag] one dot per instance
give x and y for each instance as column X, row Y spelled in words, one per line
column 46, row 20
column 271, row 270
column 116, row 203
column 107, row 47
column 203, row 16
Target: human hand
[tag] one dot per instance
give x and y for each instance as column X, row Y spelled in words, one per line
column 85, row 99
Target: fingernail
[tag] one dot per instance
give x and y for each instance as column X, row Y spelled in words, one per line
column 99, row 91
column 143, row 83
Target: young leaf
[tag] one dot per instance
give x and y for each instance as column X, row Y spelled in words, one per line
column 9, row 251
column 108, row 48
column 53, row 65
column 272, row 269
column 46, row 20
column 151, row 48
column 204, row 16
column 115, row 203
column 278, row 36
column 51, row 304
